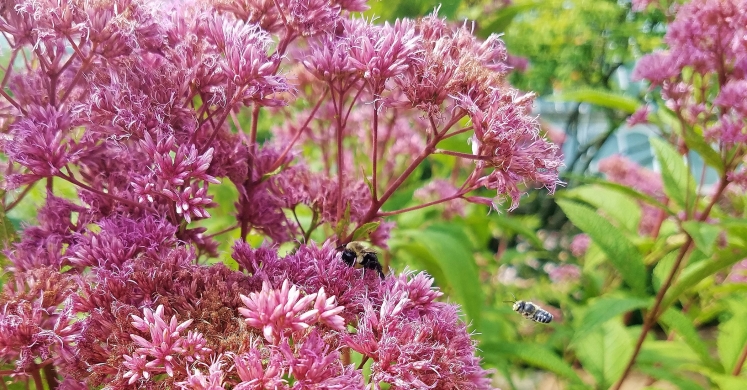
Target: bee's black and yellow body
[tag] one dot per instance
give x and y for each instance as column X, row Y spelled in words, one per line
column 533, row 312
column 355, row 253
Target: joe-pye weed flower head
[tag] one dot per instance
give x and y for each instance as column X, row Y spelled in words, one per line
column 147, row 110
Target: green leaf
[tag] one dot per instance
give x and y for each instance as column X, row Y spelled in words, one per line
column 618, row 206
column 448, row 248
column 683, row 326
column 704, row 235
column 732, row 335
column 600, row 98
column 696, row 142
column 604, row 353
column 665, row 360
column 365, row 229
column 725, row 382
column 663, row 269
column 604, row 309
column 533, row 354
column 679, row 185
column 693, row 274
column 625, row 190
column 619, row 249
column 514, row 225
column 504, row 16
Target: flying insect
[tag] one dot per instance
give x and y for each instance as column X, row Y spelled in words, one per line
column 531, row 311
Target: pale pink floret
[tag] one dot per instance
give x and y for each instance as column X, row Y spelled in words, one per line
column 279, row 311
column 329, row 311
column 199, row 381
column 165, row 342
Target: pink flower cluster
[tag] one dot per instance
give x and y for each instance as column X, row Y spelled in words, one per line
column 706, row 43
column 146, row 108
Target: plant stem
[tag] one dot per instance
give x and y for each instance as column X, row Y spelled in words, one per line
column 652, row 317
column 375, row 154
column 86, row 187
column 424, row 205
column 740, row 362
column 51, row 376
column 301, row 129
column 19, row 198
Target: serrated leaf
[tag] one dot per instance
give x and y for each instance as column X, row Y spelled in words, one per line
column 679, row 185
column 681, row 325
column 693, row 274
column 604, row 353
column 621, row 252
column 604, row 309
column 696, row 142
column 732, row 335
column 600, row 98
column 704, row 235
column 365, row 229
column 665, row 360
column 449, row 248
column 625, row 190
column 662, row 269
column 616, row 205
column 532, row 354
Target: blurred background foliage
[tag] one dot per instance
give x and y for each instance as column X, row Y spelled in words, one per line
column 574, row 50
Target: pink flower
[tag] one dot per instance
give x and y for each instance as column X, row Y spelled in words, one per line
column 165, row 342
column 276, row 312
column 563, row 272
column 261, row 369
column 199, row 381
column 640, row 116
column 580, row 244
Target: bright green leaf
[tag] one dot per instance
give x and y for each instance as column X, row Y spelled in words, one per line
column 683, row 326
column 679, row 185
column 625, row 190
column 600, row 98
column 503, row 17
column 449, row 248
column 365, row 229
column 515, row 226
column 704, row 235
column 533, row 354
column 663, row 269
column 696, row 142
column 616, row 205
column 620, row 250
column 604, row 352
column 732, row 335
column 604, row 309
column 694, row 273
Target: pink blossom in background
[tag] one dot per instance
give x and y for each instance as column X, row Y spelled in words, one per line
column 580, row 244
column 738, row 273
column 563, row 272
column 640, row 116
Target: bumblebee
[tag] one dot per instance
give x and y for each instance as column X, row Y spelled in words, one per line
column 356, row 253
column 531, row 311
